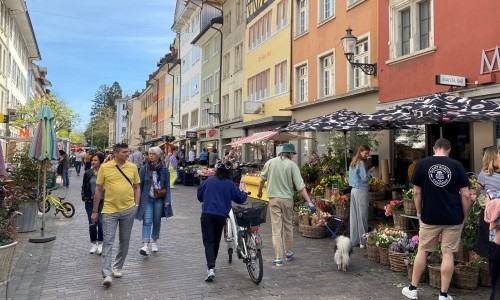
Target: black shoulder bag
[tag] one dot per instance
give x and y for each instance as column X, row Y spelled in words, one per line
column 124, row 176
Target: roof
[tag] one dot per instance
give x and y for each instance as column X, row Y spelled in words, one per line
column 23, row 21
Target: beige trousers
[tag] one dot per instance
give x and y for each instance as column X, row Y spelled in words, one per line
column 281, row 212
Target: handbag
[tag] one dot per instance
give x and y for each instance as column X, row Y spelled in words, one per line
column 157, row 193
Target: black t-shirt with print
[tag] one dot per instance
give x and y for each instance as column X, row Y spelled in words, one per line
column 441, row 179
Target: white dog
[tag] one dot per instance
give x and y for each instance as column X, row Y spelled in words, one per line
column 343, row 251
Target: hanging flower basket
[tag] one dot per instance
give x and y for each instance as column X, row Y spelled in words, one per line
column 435, row 276
column 384, row 256
column 466, row 277
column 341, row 212
column 397, row 261
column 409, row 207
column 372, row 252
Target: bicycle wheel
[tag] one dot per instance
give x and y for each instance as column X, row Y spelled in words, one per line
column 255, row 265
column 40, row 206
column 69, row 210
column 229, row 240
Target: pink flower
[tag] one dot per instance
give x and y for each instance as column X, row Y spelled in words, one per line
column 415, row 240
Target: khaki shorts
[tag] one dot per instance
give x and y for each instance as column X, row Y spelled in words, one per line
column 429, row 235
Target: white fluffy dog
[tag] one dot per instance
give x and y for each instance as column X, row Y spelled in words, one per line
column 343, row 251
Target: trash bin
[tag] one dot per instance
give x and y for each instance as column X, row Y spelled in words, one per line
column 51, row 179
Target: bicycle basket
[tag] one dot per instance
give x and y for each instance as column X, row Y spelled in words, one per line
column 253, row 215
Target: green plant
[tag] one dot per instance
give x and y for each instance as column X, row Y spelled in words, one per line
column 309, row 173
column 407, row 193
column 318, row 190
column 469, row 232
column 475, row 263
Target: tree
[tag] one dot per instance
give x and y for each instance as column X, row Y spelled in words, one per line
column 105, row 97
column 97, row 130
column 64, row 116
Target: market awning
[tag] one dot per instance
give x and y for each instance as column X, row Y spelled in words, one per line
column 266, row 135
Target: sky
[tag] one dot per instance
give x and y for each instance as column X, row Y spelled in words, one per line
column 90, row 43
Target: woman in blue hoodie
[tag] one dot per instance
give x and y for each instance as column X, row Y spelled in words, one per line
column 216, row 194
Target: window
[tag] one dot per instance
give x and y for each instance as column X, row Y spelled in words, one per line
column 258, row 86
column 301, row 83
column 326, row 75
column 281, row 14
column 280, row 78
column 195, row 85
column 205, row 117
column 239, row 12
column 225, row 108
column 260, row 31
column 227, row 24
column 410, row 26
column 238, row 103
column 358, row 78
column 216, row 80
column 238, row 57
column 225, row 65
column 205, row 52
column 302, row 16
column 326, row 9
column 194, row 118
column 351, row 2
column 216, row 109
column 195, row 55
column 185, row 120
column 207, row 85
column 216, row 44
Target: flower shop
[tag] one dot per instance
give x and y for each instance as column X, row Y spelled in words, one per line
column 392, row 240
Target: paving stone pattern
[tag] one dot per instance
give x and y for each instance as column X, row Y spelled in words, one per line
column 64, row 269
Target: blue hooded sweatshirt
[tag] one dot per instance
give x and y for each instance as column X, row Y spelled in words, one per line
column 216, row 195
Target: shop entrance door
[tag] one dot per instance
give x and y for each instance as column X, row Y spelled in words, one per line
column 458, row 133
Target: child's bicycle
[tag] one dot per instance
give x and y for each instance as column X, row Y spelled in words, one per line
column 67, row 209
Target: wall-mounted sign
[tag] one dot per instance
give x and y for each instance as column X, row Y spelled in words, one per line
column 191, row 134
column 490, row 61
column 451, row 80
column 212, row 132
column 251, row 107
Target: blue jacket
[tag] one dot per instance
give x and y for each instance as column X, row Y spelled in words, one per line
column 216, row 195
column 359, row 176
column 145, row 188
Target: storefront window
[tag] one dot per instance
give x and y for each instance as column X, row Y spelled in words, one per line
column 409, row 144
column 459, row 136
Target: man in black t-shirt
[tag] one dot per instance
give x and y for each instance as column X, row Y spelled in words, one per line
column 442, row 197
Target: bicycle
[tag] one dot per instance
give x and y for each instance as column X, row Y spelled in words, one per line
column 243, row 222
column 67, row 209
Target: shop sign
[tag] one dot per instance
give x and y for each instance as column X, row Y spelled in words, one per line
column 451, row 80
column 488, row 60
column 191, row 134
column 212, row 132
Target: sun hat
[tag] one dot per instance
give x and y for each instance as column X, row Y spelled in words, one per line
column 290, row 148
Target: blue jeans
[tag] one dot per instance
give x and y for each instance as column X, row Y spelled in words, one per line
column 95, row 230
column 123, row 220
column 65, row 178
column 78, row 167
column 152, row 218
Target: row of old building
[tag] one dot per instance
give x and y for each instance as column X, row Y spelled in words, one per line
column 20, row 78
column 237, row 67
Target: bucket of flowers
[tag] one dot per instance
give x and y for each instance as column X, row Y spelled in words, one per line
column 371, row 239
column 410, row 260
column 387, row 236
column 341, row 203
column 312, row 225
column 395, row 208
column 408, row 203
column 399, row 251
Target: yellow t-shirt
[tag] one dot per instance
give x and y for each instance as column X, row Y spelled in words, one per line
column 119, row 195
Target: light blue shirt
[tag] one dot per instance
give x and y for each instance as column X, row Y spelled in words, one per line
column 359, row 176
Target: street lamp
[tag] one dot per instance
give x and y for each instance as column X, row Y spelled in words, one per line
column 208, row 107
column 349, row 45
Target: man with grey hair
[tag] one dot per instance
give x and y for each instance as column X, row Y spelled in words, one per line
column 137, row 158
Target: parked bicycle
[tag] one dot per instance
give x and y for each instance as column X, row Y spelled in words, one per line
column 67, row 209
column 241, row 232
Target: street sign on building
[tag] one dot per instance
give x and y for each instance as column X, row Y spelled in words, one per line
column 451, row 80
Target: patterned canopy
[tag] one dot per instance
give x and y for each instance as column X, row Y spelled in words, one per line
column 343, row 120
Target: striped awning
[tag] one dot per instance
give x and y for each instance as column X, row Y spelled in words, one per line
column 264, row 136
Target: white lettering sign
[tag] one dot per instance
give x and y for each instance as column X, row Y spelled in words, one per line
column 450, row 80
column 495, row 58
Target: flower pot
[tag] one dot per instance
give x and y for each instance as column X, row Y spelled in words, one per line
column 423, row 278
column 397, row 261
column 26, row 222
column 466, row 277
column 384, row 256
column 372, row 252
column 409, row 207
column 400, row 223
column 313, row 232
column 435, row 276
column 473, row 255
column 6, row 257
column 341, row 212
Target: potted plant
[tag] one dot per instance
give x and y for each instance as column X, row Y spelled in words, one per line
column 399, row 252
column 408, row 203
column 26, row 182
column 385, row 238
column 341, row 203
column 466, row 275
column 394, row 208
column 371, row 239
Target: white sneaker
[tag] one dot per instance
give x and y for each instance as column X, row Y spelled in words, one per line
column 361, row 246
column 107, row 281
column 93, row 249
column 411, row 294
column 144, row 251
column 154, row 248
column 210, row 275
column 117, row 273
column 445, row 298
column 99, row 249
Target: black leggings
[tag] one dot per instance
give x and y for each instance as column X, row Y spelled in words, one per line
column 211, row 232
column 495, row 275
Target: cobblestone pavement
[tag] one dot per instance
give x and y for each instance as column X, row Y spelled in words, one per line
column 63, row 269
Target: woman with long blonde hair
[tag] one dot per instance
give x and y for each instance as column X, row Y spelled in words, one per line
column 358, row 180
